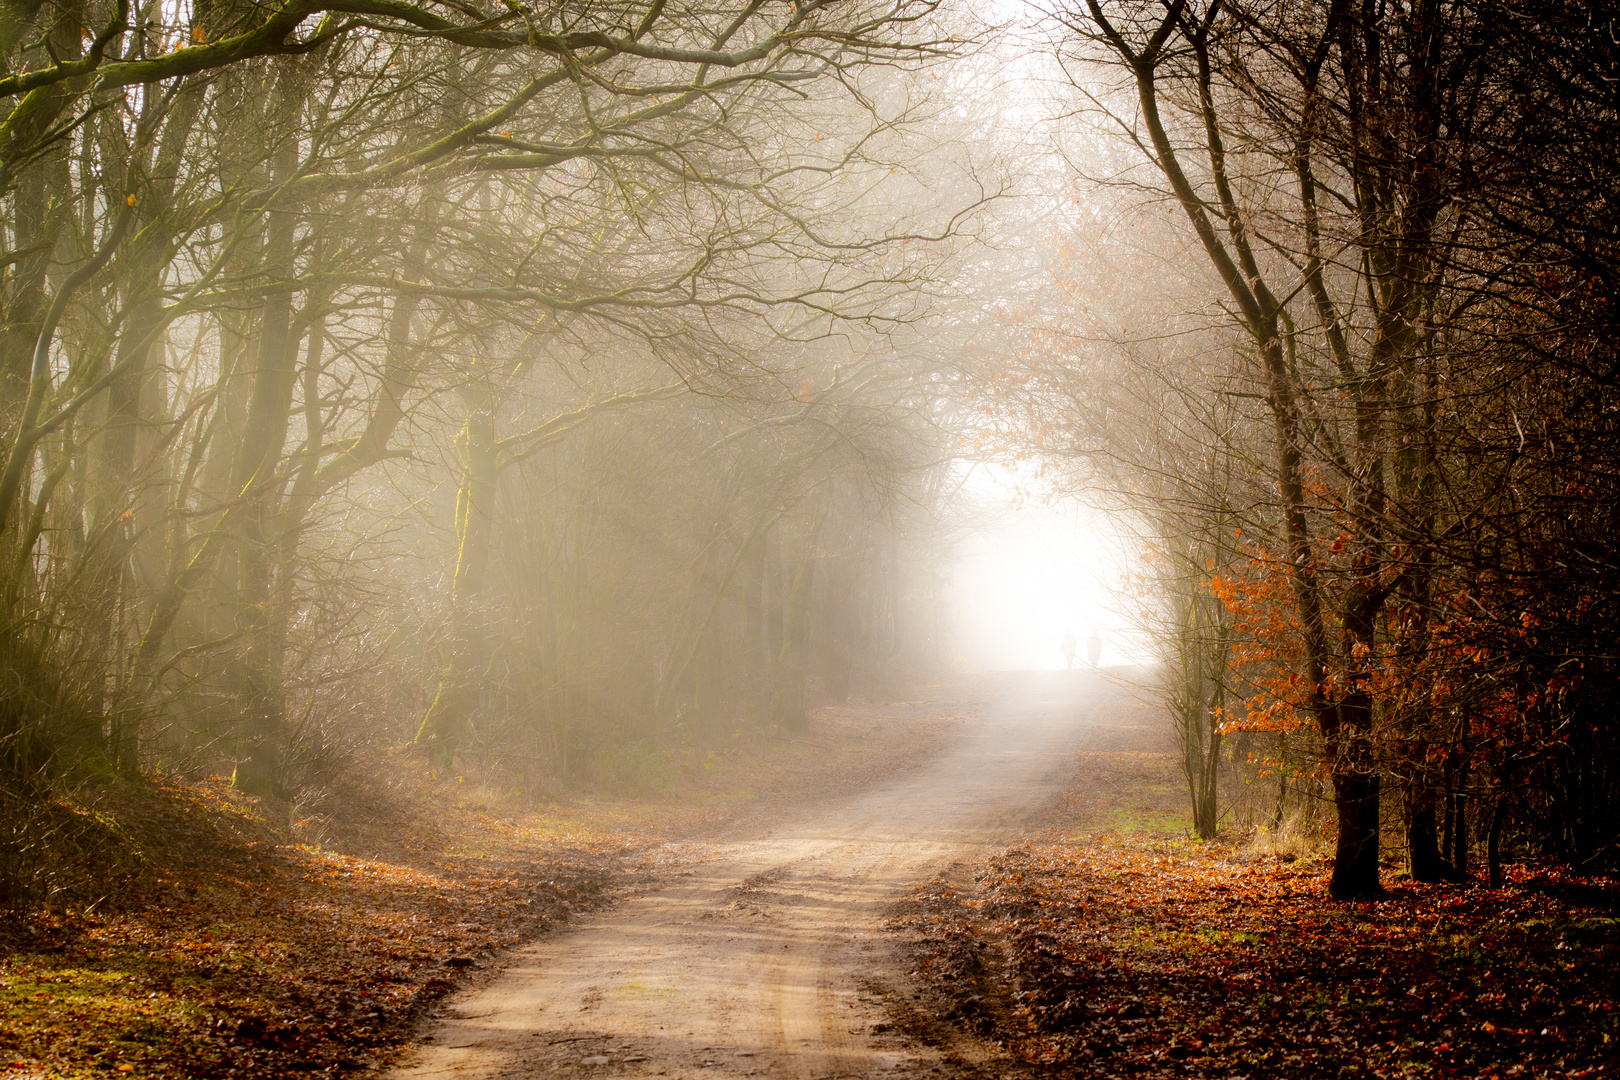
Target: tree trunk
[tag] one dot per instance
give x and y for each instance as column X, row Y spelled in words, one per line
column 445, row 723
column 114, row 493
column 269, row 415
column 1493, row 847
column 836, row 637
column 1346, row 726
column 1458, row 833
column 35, row 223
column 787, row 704
column 1355, row 798
column 1424, row 861
column 1206, row 786
column 1355, row 864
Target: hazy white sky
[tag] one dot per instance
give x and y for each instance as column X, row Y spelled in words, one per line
column 1033, row 571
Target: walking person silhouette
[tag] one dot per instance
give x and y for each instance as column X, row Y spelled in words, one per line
column 1094, row 648
column 1068, row 645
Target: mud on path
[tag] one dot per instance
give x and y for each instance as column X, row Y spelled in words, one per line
column 767, row 957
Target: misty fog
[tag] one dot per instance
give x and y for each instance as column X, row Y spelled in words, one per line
column 552, row 387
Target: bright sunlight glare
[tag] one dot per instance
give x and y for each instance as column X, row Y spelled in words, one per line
column 1030, row 572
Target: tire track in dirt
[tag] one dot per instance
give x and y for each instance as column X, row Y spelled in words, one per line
column 767, row 957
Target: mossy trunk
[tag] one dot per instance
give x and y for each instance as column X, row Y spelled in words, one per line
column 445, row 723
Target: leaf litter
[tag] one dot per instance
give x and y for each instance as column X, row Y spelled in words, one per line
column 1128, row 955
column 239, row 953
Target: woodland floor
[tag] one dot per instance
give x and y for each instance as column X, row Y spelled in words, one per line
column 243, row 950
column 1109, row 945
column 1114, row 946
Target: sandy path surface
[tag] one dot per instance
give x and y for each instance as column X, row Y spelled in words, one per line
column 758, row 961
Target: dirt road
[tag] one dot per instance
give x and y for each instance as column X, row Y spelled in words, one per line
column 767, row 958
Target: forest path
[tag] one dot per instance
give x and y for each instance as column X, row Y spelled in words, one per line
column 760, row 960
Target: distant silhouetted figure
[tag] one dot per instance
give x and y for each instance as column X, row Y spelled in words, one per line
column 1068, row 645
column 1094, row 648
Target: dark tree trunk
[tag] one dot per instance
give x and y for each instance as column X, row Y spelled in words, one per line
column 1424, row 860
column 1355, row 864
column 1493, row 846
column 1459, row 825
column 1457, row 833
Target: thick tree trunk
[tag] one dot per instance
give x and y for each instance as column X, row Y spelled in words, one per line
column 1354, row 771
column 1355, row 863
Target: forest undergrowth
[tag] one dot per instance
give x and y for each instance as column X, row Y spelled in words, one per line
column 238, row 948
column 1124, row 950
